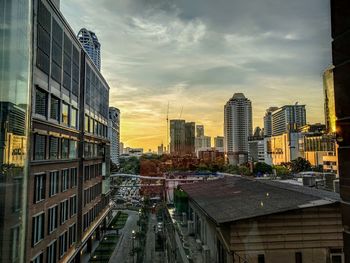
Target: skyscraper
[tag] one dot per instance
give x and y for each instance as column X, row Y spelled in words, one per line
column 190, row 134
column 114, row 133
column 182, row 137
column 329, row 102
column 288, row 118
column 268, row 121
column 91, row 45
column 199, row 130
column 60, row 151
column 219, row 143
column 237, row 128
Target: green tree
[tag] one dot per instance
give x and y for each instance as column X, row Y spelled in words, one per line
column 300, row 165
column 262, row 168
column 281, row 170
column 243, row 170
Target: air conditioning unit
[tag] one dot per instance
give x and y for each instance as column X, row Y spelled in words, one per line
column 190, row 227
column 205, row 254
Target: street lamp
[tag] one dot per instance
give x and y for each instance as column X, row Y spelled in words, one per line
column 132, row 240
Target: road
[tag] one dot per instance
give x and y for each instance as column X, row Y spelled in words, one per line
column 124, row 246
column 150, row 240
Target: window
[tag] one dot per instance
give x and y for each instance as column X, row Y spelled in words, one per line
column 92, row 125
column 53, row 183
column 52, row 218
column 38, row 259
column 298, row 257
column 86, row 173
column 63, row 246
column 72, row 205
column 55, row 108
column 261, row 258
column 65, row 113
column 39, row 147
column 73, row 118
column 65, row 149
column 39, row 187
column 72, row 149
column 63, row 211
column 52, row 252
column 73, row 177
column 64, row 180
column 53, row 151
column 87, row 125
column 38, row 228
column 72, row 235
column 43, row 38
column 40, row 102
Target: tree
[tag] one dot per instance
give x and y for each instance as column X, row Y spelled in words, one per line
column 300, row 165
column 262, row 168
column 243, row 170
column 281, row 170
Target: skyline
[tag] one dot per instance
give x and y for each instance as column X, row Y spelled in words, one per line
column 197, row 55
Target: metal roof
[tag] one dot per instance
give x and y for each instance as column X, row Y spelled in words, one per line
column 236, row 198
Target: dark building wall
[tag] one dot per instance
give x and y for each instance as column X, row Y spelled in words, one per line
column 340, row 11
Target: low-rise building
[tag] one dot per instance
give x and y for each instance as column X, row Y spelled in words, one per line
column 237, row 219
column 256, row 149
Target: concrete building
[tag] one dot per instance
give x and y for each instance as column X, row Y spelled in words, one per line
column 268, row 121
column 114, row 133
column 329, row 101
column 237, row 219
column 202, row 143
column 237, row 128
column 56, row 142
column 132, row 152
column 121, row 148
column 284, row 147
column 91, row 45
column 199, row 130
column 256, row 149
column 288, row 118
column 161, row 149
column 182, row 137
column 219, row 143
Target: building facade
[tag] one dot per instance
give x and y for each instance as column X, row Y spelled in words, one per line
column 91, row 45
column 219, row 143
column 114, row 133
column 237, row 128
column 199, row 130
column 256, row 149
column 268, row 121
column 182, row 137
column 288, row 118
column 66, row 166
column 284, row 148
column 329, row 101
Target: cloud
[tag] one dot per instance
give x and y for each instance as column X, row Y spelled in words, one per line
column 196, row 54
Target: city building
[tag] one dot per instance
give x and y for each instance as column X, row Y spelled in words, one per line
column 329, row 101
column 132, row 152
column 202, row 143
column 114, row 133
column 237, row 128
column 182, row 137
column 121, row 148
column 237, row 219
column 288, row 118
column 161, row 149
column 211, row 156
column 219, row 143
column 283, row 148
column 61, row 149
column 268, row 121
column 340, row 26
column 256, row 148
column 199, row 130
column 91, row 45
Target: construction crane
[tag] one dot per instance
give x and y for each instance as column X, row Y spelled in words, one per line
column 167, row 128
column 182, row 107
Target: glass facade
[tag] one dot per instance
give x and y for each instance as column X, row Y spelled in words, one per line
column 15, row 72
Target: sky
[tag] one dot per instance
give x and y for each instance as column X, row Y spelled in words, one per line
column 196, row 54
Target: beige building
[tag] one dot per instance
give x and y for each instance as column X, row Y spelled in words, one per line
column 236, row 219
column 284, row 147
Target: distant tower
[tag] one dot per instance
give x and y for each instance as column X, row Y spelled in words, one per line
column 114, row 133
column 329, row 101
column 199, row 130
column 268, row 121
column 91, row 45
column 237, row 128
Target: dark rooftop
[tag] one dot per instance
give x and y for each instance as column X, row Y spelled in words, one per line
column 235, row 198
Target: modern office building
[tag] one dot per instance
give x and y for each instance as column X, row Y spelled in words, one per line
column 66, row 167
column 340, row 13
column 199, row 130
column 182, row 137
column 237, row 128
column 268, row 121
column 288, row 118
column 91, row 45
column 219, row 143
column 256, row 148
column 329, row 102
column 202, row 143
column 114, row 133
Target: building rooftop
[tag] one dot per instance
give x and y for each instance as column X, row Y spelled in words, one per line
column 235, row 198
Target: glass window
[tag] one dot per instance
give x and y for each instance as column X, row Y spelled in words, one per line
column 52, row 253
column 64, row 180
column 65, row 113
column 73, row 117
column 39, row 187
column 39, row 147
column 53, row 148
column 92, row 125
column 64, row 148
column 86, row 173
column 73, row 177
column 87, row 125
column 63, row 211
column 55, row 108
column 72, row 235
column 52, row 218
column 38, row 228
column 40, row 102
column 72, row 205
column 38, row 259
column 54, row 177
column 72, row 149
column 63, row 246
